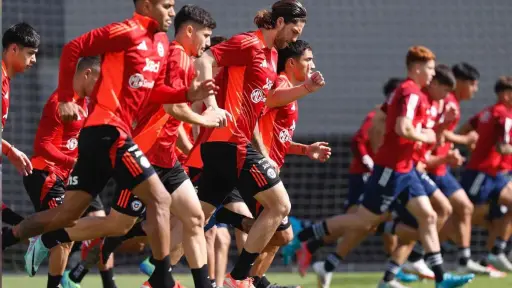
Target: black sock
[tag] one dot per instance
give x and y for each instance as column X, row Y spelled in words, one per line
column 200, row 276
column 509, row 246
column 435, row 261
column 464, row 256
column 110, row 244
column 8, row 238
column 162, row 277
column 152, row 260
column 332, row 261
column 315, row 231
column 78, row 272
column 261, row 282
column 54, row 238
column 214, row 283
column 484, row 262
column 416, row 254
column 243, row 265
column 229, row 217
column 10, row 217
column 107, row 277
column 499, row 246
column 391, row 271
column 53, row 281
column 314, row 245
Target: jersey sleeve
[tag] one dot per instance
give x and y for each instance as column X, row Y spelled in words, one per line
column 177, row 67
column 408, row 103
column 474, row 120
column 237, row 51
column 49, row 126
column 162, row 93
column 115, row 37
column 504, row 129
column 361, row 138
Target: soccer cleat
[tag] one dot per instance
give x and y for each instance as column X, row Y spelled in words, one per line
column 303, row 259
column 146, row 267
column 472, row 267
column 451, row 281
column 495, row 273
column 406, row 277
column 229, row 282
column 36, row 253
column 176, row 285
column 66, row 282
column 500, row 261
column 324, row 278
column 391, row 284
column 419, row 268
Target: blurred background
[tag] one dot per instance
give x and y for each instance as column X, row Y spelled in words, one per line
column 358, row 45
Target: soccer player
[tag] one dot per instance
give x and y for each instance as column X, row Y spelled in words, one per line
column 482, row 179
column 134, row 56
column 20, row 44
column 249, row 61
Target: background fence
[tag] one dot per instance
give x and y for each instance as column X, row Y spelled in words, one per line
column 358, row 44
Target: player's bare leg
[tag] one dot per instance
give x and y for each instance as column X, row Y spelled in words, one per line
column 222, row 242
column 210, row 248
column 497, row 256
column 57, row 263
column 442, row 207
column 396, row 260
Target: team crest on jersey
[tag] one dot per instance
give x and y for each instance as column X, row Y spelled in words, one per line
column 72, row 144
column 160, row 49
column 257, row 96
column 284, row 136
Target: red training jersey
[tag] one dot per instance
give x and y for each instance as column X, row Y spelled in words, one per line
column 134, row 56
column 408, row 101
column 494, row 127
column 5, row 94
column 278, row 124
column 422, row 150
column 361, row 146
column 56, row 142
column 180, row 73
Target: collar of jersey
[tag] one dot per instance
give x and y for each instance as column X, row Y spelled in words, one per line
column 259, row 34
column 146, row 22
column 4, row 70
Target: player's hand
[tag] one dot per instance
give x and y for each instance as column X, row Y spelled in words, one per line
column 450, row 114
column 319, row 151
column 211, row 118
column 199, row 90
column 225, row 116
column 314, row 82
column 430, row 136
column 472, row 138
column 20, row 161
column 455, row 159
column 368, row 162
column 70, row 111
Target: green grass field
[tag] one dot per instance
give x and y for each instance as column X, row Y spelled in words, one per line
column 345, row 280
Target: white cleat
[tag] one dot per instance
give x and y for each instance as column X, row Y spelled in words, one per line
column 419, row 268
column 473, row 267
column 391, row 284
column 500, row 262
column 324, row 277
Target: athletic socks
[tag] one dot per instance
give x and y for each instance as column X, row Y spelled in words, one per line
column 416, row 253
column 201, row 279
column 162, row 277
column 261, row 282
column 110, row 244
column 315, row 231
column 53, row 281
column 464, row 256
column 435, row 261
column 332, row 261
column 54, row 238
column 314, row 245
column 8, row 238
column 78, row 272
column 392, row 269
column 107, row 278
column 227, row 216
column 243, row 265
column 499, row 246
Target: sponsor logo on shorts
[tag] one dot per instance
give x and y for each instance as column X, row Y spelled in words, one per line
column 73, row 180
column 385, row 203
column 72, row 144
column 271, row 173
column 285, row 221
column 136, row 205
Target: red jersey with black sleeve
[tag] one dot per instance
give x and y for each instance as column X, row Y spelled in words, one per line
column 180, row 73
column 277, row 126
column 396, row 152
column 134, row 56
column 55, row 144
column 5, row 94
column 494, row 127
column 361, row 146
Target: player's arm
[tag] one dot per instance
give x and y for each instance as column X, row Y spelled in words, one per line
column 282, row 96
column 184, row 113
column 49, row 127
column 115, row 37
column 462, row 139
column 257, row 142
column 453, row 158
column 183, row 142
column 504, row 145
column 204, row 70
column 319, row 151
column 6, row 147
column 359, row 144
column 404, row 126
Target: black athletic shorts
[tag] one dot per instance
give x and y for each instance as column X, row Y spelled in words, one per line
column 126, row 203
column 254, row 206
column 46, row 191
column 104, row 152
column 226, row 167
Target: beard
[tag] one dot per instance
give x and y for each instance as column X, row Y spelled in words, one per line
column 280, row 42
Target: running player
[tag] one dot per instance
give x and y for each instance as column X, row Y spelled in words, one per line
column 20, row 44
column 139, row 46
column 482, row 180
column 249, row 61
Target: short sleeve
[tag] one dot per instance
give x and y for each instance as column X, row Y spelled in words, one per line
column 408, row 104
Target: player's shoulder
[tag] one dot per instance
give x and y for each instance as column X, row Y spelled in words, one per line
column 409, row 87
column 176, row 51
column 127, row 26
column 247, row 40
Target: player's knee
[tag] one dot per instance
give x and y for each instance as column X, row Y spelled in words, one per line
column 429, row 218
column 284, row 209
column 282, row 238
column 466, row 210
column 445, row 212
column 223, row 238
column 195, row 220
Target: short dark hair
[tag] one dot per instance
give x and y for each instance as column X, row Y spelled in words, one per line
column 195, row 14
column 503, row 84
column 293, row 50
column 217, row 40
column 465, row 71
column 391, row 85
column 444, row 76
column 21, row 34
column 292, row 11
column 93, row 62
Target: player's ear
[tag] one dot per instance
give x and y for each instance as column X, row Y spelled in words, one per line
column 190, row 30
column 280, row 23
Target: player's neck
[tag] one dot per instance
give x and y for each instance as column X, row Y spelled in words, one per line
column 181, row 40
column 8, row 67
column 269, row 36
column 292, row 79
column 414, row 77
